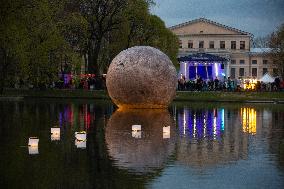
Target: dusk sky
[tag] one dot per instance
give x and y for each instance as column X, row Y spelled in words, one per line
column 259, row 17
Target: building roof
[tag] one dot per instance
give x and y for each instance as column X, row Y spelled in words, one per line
column 260, row 50
column 210, row 22
column 202, row 57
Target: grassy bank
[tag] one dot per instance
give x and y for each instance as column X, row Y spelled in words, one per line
column 181, row 95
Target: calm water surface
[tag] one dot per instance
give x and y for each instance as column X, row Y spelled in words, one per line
column 190, row 145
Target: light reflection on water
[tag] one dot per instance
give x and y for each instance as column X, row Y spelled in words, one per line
column 197, row 145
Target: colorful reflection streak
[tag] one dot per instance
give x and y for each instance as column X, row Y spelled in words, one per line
column 249, row 120
column 78, row 116
column 199, row 123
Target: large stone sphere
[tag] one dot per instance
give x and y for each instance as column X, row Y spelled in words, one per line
column 141, row 77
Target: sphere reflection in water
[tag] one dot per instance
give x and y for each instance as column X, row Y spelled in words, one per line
column 144, row 150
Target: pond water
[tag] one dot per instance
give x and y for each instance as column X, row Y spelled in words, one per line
column 190, row 145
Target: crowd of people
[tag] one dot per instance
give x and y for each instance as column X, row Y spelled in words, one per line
column 228, row 84
column 84, row 81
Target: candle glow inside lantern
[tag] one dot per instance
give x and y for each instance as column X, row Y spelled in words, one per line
column 136, row 131
column 33, row 141
column 167, row 132
column 55, row 133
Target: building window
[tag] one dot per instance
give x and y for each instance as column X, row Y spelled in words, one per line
column 242, row 61
column 180, row 44
column 233, row 73
column 190, row 44
column 201, row 44
column 254, row 62
column 242, row 72
column 264, row 71
column 242, row 44
column 233, row 61
column 275, row 72
column 233, row 45
column 254, row 72
column 211, row 44
column 222, row 45
column 265, row 61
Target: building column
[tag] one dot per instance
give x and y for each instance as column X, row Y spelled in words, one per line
column 228, row 73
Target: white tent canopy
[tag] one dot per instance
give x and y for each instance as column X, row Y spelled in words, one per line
column 267, row 78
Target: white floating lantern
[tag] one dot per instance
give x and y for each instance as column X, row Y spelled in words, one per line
column 55, row 133
column 33, row 141
column 81, row 143
column 136, row 131
column 167, row 132
column 33, row 150
column 136, row 127
column 81, row 136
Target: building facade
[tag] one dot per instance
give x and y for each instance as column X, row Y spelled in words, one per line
column 209, row 37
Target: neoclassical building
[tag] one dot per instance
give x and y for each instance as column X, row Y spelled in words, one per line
column 211, row 49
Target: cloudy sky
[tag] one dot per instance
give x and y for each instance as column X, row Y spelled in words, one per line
column 259, row 17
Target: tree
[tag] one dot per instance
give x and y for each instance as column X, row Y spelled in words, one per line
column 13, row 40
column 261, row 42
column 103, row 16
column 277, row 45
column 32, row 47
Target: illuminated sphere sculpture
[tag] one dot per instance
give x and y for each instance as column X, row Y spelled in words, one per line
column 141, row 77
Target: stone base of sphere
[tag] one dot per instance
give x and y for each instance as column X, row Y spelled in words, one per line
column 141, row 77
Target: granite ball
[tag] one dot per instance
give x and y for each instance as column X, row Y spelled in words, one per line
column 141, row 77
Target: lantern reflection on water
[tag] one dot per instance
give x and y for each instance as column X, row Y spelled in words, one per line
column 81, row 143
column 136, row 131
column 55, row 134
column 167, row 132
column 249, row 120
column 33, row 150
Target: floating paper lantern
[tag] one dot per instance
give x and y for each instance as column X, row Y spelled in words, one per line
column 55, row 133
column 33, row 150
column 136, row 131
column 81, row 136
column 33, row 141
column 81, row 143
column 167, row 132
column 136, row 127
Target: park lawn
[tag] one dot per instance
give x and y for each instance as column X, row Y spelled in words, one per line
column 217, row 96
column 229, row 96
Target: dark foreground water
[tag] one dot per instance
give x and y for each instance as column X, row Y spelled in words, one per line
column 187, row 146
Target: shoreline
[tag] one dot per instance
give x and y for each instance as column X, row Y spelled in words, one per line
column 191, row 96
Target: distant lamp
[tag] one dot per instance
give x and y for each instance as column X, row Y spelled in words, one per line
column 81, row 139
column 136, row 131
column 167, row 132
column 33, row 145
column 55, row 134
